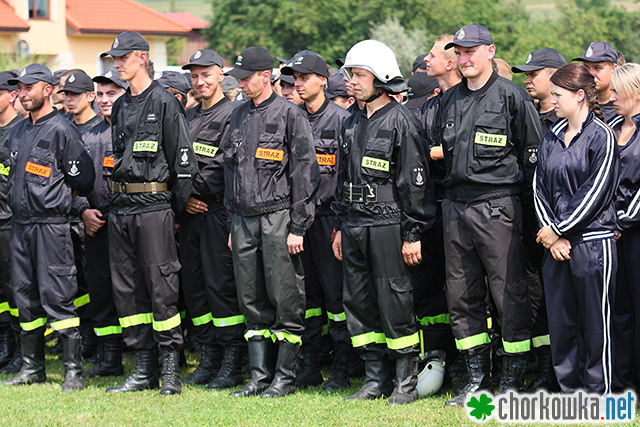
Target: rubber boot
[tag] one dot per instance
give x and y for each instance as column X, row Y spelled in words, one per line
column 284, row 382
column 378, row 380
column 477, row 375
column 309, row 374
column 513, row 370
column 230, row 373
column 16, row 363
column 170, row 372
column 7, row 345
column 144, row 375
column 32, row 370
column 356, row 364
column 72, row 359
column 546, row 378
column 406, row 381
column 89, row 343
column 110, row 364
column 339, row 377
column 261, row 365
column 209, row 365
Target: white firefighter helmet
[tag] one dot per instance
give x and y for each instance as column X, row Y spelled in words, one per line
column 430, row 379
column 378, row 58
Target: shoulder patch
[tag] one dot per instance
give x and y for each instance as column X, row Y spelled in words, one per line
column 533, row 155
column 184, row 157
column 417, row 176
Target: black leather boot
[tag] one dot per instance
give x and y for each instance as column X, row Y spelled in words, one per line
column 309, row 374
column 32, row 370
column 110, row 363
column 7, row 345
column 144, row 375
column 513, row 370
column 546, row 378
column 15, row 363
column 378, row 380
column 284, row 382
column 477, row 376
column 230, row 373
column 170, row 372
column 339, row 377
column 209, row 365
column 261, row 364
column 406, row 381
column 90, row 351
column 72, row 359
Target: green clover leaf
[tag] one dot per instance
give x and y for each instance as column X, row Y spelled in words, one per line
column 482, row 408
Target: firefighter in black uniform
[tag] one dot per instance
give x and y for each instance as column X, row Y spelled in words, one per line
column 601, row 59
column 539, row 67
column 153, row 169
column 94, row 213
column 10, row 360
column 271, row 177
column 47, row 163
column 386, row 202
column 207, row 277
column 490, row 132
column 323, row 273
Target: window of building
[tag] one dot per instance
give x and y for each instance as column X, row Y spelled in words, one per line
column 39, row 9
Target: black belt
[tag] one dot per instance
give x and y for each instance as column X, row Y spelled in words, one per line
column 367, row 193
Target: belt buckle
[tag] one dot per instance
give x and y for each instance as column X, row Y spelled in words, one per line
column 154, row 187
column 351, row 192
column 371, row 195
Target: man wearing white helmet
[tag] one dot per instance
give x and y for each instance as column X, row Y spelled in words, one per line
column 384, row 204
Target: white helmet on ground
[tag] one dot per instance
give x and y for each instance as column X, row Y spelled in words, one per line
column 432, row 376
column 378, row 58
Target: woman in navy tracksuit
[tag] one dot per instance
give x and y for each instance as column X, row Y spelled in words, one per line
column 576, row 180
column 625, row 94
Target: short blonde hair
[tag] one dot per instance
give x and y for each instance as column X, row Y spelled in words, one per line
column 625, row 79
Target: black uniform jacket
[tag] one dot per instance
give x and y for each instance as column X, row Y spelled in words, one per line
column 490, row 140
column 208, row 128
column 5, row 210
column 270, row 163
column 151, row 144
column 97, row 141
column 387, row 149
column 47, row 161
column 575, row 186
column 428, row 114
column 627, row 198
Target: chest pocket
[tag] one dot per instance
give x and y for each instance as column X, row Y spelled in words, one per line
column 39, row 166
column 108, row 163
column 490, row 133
column 207, row 143
column 270, row 153
column 376, row 159
column 327, row 151
column 147, row 143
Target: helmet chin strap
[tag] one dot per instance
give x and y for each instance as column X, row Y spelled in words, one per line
column 375, row 96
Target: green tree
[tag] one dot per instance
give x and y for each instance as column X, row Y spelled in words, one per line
column 405, row 44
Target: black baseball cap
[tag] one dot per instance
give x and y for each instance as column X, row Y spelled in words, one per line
column 126, row 42
column 599, row 52
column 5, row 76
column 336, row 87
column 471, row 35
column 251, row 60
column 175, row 80
column 286, row 78
column 78, row 82
column 228, row 84
column 421, row 86
column 111, row 76
column 205, row 58
column 33, row 73
column 539, row 59
column 306, row 62
column 419, row 63
column 57, row 75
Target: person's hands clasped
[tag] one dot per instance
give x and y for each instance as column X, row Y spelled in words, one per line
column 93, row 221
column 561, row 249
column 547, row 237
column 195, row 206
column 411, row 253
column 295, row 244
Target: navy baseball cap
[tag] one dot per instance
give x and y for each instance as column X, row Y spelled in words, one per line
column 111, row 76
column 33, row 73
column 205, row 58
column 126, row 42
column 228, row 84
column 419, row 63
column 599, row 52
column 251, row 60
column 57, row 75
column 539, row 59
column 78, row 82
column 306, row 62
column 175, row 80
column 5, row 76
column 471, row 35
column 421, row 86
column 336, row 87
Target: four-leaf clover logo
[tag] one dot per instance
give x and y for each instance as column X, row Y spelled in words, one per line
column 482, row 407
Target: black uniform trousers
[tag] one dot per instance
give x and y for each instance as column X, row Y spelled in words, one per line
column 80, row 259
column 484, row 239
column 101, row 308
column 323, row 287
column 378, row 295
column 8, row 309
column 208, row 285
column 578, row 304
column 43, row 275
column 270, row 282
column 144, row 272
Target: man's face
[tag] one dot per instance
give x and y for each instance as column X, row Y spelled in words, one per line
column 362, row 84
column 128, row 65
column 78, row 103
column 253, row 86
column 436, row 60
column 32, row 96
column 601, row 72
column 474, row 61
column 206, row 80
column 57, row 98
column 289, row 93
column 106, row 95
column 537, row 83
column 6, row 100
column 309, row 85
